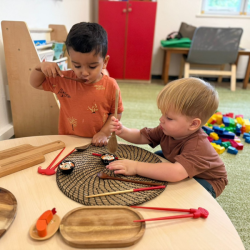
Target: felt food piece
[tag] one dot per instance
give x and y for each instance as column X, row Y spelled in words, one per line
column 107, row 158
column 67, row 167
column 43, row 221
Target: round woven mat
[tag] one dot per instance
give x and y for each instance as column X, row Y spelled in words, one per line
column 84, row 181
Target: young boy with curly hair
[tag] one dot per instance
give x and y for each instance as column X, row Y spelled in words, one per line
column 85, row 108
column 186, row 104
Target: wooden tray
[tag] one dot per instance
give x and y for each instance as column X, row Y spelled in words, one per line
column 8, row 207
column 102, row 227
column 25, row 156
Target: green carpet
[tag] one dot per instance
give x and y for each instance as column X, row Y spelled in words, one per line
column 141, row 111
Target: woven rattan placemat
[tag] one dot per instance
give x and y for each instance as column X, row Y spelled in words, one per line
column 83, row 180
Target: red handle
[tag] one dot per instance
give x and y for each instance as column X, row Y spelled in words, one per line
column 63, row 159
column 167, row 218
column 191, row 210
column 51, row 164
column 200, row 212
column 96, row 154
column 147, row 188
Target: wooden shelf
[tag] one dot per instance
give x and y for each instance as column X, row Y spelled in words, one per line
column 34, row 112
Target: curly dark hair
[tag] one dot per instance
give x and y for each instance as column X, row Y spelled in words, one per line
column 85, row 37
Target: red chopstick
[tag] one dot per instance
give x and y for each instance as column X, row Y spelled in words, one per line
column 191, row 210
column 63, row 159
column 194, row 213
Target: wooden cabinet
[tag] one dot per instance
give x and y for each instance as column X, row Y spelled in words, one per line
column 130, row 26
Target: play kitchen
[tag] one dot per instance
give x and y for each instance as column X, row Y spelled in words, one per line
column 88, row 226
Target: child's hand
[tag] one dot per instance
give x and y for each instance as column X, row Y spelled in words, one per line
column 115, row 126
column 99, row 139
column 125, row 167
column 51, row 69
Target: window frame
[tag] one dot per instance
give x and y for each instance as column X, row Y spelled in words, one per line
column 241, row 12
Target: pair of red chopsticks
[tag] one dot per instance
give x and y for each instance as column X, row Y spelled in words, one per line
column 194, row 213
column 51, row 170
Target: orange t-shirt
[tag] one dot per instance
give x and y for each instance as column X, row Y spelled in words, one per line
column 194, row 153
column 84, row 108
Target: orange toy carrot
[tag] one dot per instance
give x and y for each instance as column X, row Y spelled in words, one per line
column 43, row 221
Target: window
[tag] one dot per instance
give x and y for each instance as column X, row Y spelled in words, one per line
column 226, row 7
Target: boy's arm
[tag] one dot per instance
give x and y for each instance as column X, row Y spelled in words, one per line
column 164, row 171
column 133, row 135
column 100, row 138
column 49, row 69
column 37, row 78
column 105, row 128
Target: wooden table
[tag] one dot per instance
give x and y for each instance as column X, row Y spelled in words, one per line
column 184, row 51
column 37, row 193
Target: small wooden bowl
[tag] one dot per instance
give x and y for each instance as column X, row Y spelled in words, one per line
column 66, row 167
column 107, row 158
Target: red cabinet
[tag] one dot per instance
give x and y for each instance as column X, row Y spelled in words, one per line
column 130, row 26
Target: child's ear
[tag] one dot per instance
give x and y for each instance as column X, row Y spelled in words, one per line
column 195, row 124
column 106, row 60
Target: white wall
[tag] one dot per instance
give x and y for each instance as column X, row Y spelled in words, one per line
column 37, row 14
column 170, row 14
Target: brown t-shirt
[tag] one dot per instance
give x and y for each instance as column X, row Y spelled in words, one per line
column 84, row 108
column 194, row 153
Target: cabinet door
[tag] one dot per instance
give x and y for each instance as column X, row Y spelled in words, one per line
column 140, row 38
column 112, row 17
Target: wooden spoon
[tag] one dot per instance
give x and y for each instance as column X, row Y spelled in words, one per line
column 112, row 143
column 66, row 77
column 102, row 175
column 82, row 148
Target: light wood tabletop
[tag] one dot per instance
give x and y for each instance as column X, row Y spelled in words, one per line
column 37, row 193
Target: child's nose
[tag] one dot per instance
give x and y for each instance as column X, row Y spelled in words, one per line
column 85, row 73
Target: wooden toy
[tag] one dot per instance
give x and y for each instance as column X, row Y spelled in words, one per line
column 102, row 227
column 25, row 156
column 112, row 143
column 102, row 175
column 46, row 226
column 125, row 191
column 232, row 150
column 8, row 209
column 192, row 212
column 43, row 221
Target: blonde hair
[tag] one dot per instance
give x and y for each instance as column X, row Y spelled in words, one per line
column 192, row 97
